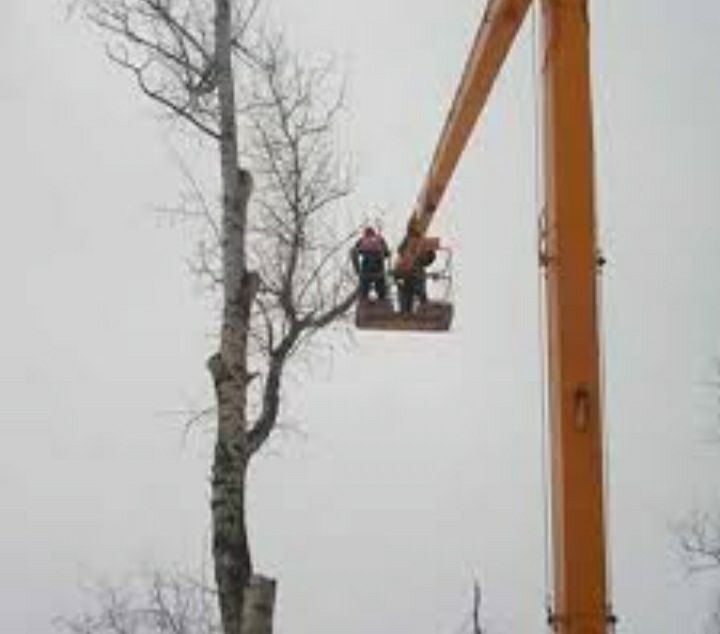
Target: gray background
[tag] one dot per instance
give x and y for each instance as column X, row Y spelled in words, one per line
column 418, row 462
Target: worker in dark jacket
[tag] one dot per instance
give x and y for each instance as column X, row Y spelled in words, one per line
column 412, row 284
column 368, row 257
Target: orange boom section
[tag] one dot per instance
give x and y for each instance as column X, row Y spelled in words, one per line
column 500, row 24
column 580, row 594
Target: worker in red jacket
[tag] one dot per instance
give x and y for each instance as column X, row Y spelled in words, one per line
column 368, row 257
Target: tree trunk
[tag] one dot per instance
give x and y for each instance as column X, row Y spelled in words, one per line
column 231, row 552
column 229, row 369
column 259, row 606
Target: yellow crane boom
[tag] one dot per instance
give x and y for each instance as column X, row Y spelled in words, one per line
column 580, row 602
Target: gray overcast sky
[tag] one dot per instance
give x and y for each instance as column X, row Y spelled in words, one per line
column 421, row 461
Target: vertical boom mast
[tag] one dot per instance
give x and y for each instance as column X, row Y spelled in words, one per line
column 577, row 505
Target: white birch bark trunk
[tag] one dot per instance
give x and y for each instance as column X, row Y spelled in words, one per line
column 229, row 367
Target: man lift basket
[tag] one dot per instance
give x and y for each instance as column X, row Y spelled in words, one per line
column 406, row 306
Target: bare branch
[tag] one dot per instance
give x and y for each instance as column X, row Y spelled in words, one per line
column 167, row 51
column 328, row 257
column 699, row 539
column 160, row 602
column 157, row 95
column 265, row 423
column 317, row 322
column 201, row 199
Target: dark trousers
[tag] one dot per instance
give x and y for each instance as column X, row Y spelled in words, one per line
column 373, row 282
column 411, row 287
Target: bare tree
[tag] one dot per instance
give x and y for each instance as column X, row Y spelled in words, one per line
column 698, row 535
column 274, row 252
column 699, row 541
column 699, row 538
column 704, row 557
column 157, row 603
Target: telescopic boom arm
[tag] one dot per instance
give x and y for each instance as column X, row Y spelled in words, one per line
column 498, row 28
